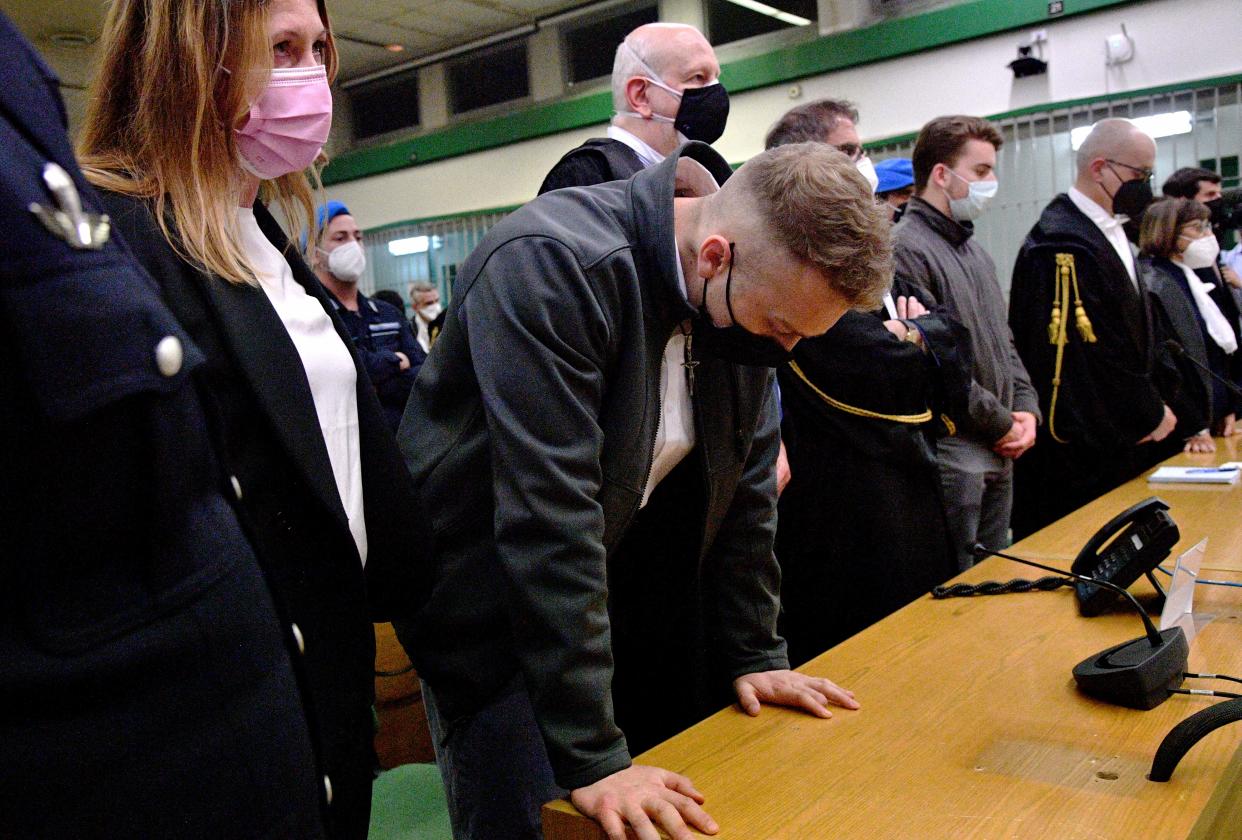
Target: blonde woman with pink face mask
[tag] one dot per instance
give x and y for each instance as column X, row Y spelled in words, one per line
column 189, row 139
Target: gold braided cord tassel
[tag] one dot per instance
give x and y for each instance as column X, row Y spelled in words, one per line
column 1060, row 292
column 1081, row 321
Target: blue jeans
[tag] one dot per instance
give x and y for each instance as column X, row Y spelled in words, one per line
column 494, row 765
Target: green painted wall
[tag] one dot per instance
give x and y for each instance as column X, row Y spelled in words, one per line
column 885, row 40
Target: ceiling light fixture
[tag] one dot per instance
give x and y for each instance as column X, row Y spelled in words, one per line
column 394, row 47
column 409, row 245
column 772, row 12
column 1155, row 126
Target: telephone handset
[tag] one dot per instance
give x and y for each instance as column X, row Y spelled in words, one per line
column 1132, row 544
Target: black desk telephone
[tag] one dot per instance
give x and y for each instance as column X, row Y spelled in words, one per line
column 1132, row 544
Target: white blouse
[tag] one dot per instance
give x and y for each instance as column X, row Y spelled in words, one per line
column 328, row 365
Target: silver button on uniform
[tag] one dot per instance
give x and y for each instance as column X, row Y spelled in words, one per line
column 169, row 355
column 297, row 637
column 327, row 789
column 236, row 487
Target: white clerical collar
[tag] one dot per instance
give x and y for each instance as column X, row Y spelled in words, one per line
column 1104, row 220
column 648, row 155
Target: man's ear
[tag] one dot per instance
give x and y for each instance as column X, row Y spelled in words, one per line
column 713, row 258
column 636, row 88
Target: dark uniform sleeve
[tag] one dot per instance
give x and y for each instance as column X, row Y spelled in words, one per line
column 382, row 365
column 134, row 612
column 391, row 381
column 540, row 352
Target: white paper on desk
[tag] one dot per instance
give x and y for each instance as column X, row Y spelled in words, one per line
column 1180, row 602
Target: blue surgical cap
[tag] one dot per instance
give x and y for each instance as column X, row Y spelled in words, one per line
column 895, row 174
column 326, row 213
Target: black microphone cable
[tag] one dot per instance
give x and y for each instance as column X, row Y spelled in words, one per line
column 1049, row 583
column 1189, row 675
column 1207, row 692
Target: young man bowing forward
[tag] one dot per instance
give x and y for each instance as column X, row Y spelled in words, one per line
column 605, row 369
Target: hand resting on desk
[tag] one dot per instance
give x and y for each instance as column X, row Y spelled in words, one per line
column 640, row 795
column 790, row 688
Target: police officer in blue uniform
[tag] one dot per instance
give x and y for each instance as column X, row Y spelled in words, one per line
column 147, row 688
column 383, row 337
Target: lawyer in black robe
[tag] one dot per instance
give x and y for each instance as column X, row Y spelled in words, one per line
column 1108, row 396
column 861, row 530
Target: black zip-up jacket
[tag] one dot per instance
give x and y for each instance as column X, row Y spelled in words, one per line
column 530, row 433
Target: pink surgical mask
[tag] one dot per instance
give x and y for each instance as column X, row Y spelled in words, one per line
column 289, row 123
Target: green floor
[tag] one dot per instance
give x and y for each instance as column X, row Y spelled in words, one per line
column 407, row 803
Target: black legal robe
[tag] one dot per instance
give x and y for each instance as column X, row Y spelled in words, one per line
column 862, row 531
column 1111, row 390
column 596, row 161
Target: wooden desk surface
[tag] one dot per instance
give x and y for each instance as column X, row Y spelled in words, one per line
column 971, row 726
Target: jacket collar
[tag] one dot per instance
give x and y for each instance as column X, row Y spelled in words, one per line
column 954, row 231
column 363, row 300
column 1064, row 225
column 272, row 367
column 651, row 194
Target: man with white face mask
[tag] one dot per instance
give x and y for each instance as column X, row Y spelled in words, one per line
column 955, row 180
column 428, row 315
column 665, row 90
column 380, row 332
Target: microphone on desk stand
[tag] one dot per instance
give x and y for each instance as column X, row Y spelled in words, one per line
column 1137, row 674
column 1180, row 352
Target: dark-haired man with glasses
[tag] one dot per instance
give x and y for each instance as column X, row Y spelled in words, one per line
column 1081, row 324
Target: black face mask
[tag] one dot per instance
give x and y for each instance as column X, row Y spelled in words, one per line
column 703, row 113
column 1132, row 198
column 735, row 343
column 1217, row 208
column 1222, row 220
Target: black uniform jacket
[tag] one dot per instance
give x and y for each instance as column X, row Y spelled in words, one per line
column 596, row 161
column 531, row 431
column 272, row 445
column 1109, row 395
column 145, row 687
column 861, row 410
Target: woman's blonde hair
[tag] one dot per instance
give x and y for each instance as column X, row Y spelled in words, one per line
column 176, row 77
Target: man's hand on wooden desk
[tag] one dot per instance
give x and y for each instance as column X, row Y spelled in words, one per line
column 639, row 795
column 790, row 688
